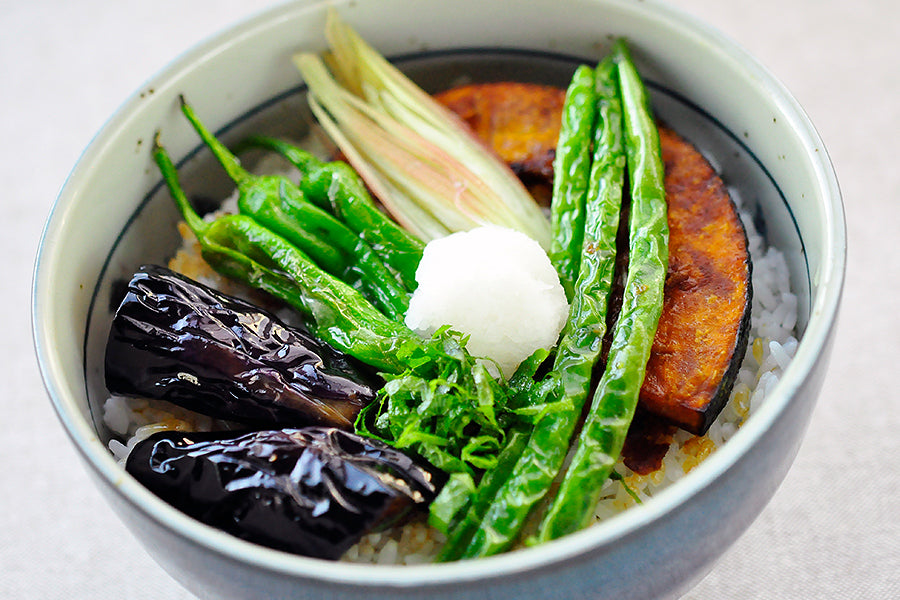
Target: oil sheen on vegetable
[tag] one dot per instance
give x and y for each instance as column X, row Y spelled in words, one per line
column 312, row 491
column 175, row 339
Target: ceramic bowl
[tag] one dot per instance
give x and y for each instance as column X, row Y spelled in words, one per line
column 110, row 216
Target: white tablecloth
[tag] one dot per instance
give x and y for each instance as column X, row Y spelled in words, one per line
column 831, row 531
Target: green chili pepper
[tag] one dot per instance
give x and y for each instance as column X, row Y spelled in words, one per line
column 338, row 188
column 580, row 345
column 240, row 248
column 603, row 435
column 277, row 204
column 568, row 384
column 460, row 531
column 458, row 509
column 571, row 168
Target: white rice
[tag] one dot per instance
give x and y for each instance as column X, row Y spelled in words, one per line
column 135, row 419
column 771, row 346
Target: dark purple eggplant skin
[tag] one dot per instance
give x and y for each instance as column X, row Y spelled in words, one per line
column 313, row 491
column 178, row 340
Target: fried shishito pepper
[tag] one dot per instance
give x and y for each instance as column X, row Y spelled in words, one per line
column 703, row 331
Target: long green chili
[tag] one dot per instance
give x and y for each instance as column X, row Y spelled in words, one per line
column 277, row 204
column 500, row 521
column 460, row 530
column 603, row 435
column 571, row 168
column 240, row 248
column 335, row 186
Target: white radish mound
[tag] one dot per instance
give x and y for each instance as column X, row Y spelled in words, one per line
column 495, row 285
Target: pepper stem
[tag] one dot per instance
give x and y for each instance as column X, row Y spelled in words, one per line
column 229, row 161
column 170, row 176
column 303, row 160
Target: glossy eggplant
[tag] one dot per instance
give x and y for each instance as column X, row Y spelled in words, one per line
column 313, row 491
column 179, row 340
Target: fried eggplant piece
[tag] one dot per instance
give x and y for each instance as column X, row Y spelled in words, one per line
column 704, row 328
column 313, row 491
column 176, row 339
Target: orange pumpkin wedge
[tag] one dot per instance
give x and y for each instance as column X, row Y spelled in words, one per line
column 703, row 331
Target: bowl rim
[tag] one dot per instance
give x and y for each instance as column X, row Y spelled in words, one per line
column 823, row 314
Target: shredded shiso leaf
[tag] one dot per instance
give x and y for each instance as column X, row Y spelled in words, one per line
column 417, row 157
column 447, row 407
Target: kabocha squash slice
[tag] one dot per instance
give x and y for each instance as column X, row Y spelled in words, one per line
column 519, row 121
column 705, row 324
column 702, row 334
